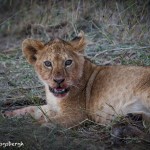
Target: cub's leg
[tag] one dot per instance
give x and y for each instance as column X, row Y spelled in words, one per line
column 129, row 126
column 39, row 113
column 43, row 115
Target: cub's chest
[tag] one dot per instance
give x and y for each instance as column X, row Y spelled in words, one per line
column 52, row 101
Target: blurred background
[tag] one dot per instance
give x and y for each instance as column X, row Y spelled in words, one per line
column 108, row 24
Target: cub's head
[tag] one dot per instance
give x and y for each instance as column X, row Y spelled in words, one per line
column 58, row 63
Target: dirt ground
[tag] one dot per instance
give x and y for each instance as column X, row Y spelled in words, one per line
column 118, row 33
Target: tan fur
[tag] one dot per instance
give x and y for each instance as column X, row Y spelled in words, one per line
column 99, row 93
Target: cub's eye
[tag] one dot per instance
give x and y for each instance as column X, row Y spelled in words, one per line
column 47, row 63
column 68, row 62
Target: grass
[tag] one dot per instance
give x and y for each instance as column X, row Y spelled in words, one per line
column 117, row 33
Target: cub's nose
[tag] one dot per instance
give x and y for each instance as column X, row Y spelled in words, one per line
column 59, row 81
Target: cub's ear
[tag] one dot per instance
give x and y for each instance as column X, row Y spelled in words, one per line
column 30, row 49
column 79, row 42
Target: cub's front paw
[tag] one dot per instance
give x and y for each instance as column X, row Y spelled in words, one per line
column 7, row 113
column 12, row 113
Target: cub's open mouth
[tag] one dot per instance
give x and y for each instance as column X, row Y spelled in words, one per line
column 59, row 91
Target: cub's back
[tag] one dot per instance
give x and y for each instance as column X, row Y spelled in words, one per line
column 118, row 87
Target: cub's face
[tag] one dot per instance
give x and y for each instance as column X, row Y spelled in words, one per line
column 59, row 64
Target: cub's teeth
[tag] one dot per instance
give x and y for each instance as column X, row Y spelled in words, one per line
column 60, row 90
column 55, row 90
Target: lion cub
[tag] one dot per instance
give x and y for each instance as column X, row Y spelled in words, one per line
column 77, row 89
